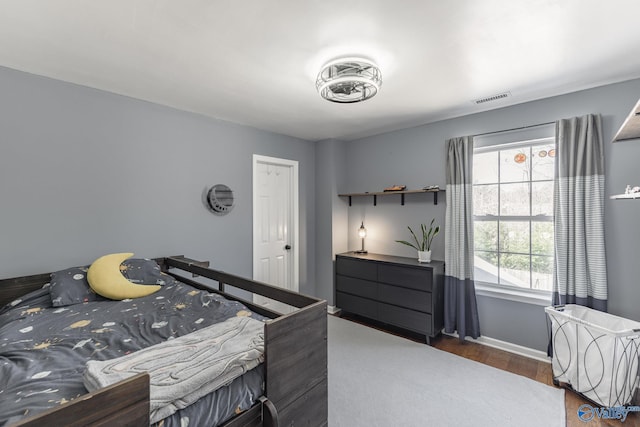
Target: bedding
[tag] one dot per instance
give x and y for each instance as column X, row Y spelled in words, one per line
column 186, row 368
column 70, row 286
column 44, row 348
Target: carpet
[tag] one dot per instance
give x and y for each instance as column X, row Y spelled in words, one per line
column 378, row 379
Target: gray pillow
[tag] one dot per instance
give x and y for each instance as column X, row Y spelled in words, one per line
column 70, row 286
column 144, row 272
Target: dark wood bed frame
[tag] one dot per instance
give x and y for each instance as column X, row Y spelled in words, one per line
column 295, row 359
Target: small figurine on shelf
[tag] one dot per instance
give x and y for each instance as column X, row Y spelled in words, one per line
column 630, row 190
column 396, row 188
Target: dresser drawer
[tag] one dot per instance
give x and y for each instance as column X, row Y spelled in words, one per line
column 409, row 298
column 415, row 278
column 353, row 304
column 405, row 318
column 361, row 269
column 351, row 285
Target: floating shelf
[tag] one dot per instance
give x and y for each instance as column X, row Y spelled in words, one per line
column 626, row 196
column 390, row 193
column 630, row 129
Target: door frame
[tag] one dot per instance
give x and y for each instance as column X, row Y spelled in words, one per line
column 294, row 234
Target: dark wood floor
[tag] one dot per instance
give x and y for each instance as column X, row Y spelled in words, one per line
column 530, row 368
column 520, row 365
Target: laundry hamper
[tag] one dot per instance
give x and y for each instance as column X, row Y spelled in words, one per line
column 595, row 353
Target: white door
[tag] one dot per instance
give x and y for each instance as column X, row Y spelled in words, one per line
column 275, row 226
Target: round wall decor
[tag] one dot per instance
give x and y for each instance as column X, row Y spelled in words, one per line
column 220, row 199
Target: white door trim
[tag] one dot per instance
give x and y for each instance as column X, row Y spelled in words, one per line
column 295, row 233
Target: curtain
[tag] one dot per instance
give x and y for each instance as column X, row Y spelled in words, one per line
column 580, row 274
column 460, row 306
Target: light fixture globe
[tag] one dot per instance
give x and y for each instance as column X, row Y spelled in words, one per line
column 349, row 80
column 362, row 233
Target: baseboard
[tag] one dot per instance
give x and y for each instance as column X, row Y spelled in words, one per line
column 507, row 346
column 332, row 309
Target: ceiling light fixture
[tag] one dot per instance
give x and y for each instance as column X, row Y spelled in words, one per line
column 349, row 80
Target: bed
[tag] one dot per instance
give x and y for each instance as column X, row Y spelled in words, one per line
column 292, row 375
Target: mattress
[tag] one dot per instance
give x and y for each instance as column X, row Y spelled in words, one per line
column 44, row 349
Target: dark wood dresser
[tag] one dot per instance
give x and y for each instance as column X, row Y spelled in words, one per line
column 394, row 290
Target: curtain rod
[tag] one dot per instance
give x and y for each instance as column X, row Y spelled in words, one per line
column 509, row 130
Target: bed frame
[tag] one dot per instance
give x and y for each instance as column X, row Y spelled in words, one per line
column 295, row 358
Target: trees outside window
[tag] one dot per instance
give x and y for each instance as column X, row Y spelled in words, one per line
column 513, row 214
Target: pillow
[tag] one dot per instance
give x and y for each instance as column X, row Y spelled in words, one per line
column 144, row 272
column 71, row 286
column 106, row 279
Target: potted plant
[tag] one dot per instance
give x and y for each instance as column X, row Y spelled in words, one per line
column 423, row 246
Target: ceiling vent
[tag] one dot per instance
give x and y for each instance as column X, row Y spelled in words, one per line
column 492, row 98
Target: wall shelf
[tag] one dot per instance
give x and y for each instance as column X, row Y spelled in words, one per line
column 626, row 196
column 630, row 129
column 390, row 193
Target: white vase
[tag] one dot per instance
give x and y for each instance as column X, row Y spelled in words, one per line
column 424, row 256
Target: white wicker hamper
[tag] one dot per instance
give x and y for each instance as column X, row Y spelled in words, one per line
column 595, row 353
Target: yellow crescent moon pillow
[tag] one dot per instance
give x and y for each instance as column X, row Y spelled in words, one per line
column 105, row 279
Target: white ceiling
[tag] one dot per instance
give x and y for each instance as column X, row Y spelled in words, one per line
column 254, row 62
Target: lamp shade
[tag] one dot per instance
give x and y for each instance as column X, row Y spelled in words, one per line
column 362, row 232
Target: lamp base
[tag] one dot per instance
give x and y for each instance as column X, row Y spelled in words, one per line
column 360, row 252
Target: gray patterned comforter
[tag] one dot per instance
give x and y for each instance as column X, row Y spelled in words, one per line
column 44, row 349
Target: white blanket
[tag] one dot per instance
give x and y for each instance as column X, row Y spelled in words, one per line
column 186, row 368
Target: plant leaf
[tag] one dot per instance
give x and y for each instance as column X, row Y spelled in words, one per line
column 404, row 242
column 432, row 233
column 418, row 245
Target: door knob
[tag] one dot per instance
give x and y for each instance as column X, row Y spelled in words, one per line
column 287, row 247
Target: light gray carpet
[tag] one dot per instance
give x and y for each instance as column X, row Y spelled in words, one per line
column 378, row 379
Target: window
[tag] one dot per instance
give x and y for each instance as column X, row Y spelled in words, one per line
column 513, row 213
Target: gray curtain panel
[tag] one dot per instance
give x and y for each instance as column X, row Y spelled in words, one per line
column 580, row 274
column 460, row 306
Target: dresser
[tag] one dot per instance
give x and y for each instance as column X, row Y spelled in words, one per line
column 393, row 290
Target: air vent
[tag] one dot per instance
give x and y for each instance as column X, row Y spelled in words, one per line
column 492, row 98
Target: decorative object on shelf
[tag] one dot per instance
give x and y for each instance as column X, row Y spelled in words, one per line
column 423, row 246
column 362, row 233
column 431, row 188
column 396, row 188
column 219, row 199
column 349, row 80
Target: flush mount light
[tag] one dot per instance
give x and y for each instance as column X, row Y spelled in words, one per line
column 349, row 80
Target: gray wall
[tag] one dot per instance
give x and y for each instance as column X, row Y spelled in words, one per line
column 331, row 213
column 85, row 172
column 416, row 157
